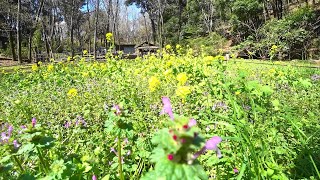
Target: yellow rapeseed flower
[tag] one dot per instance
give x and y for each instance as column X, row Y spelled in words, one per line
column 183, row 91
column 69, row 58
column 167, row 72
column 72, row 92
column 154, row 83
column 109, row 36
column 274, row 47
column 272, row 71
column 85, row 52
column 50, row 67
column 208, row 59
column 168, row 47
column 182, row 78
column 85, row 74
column 34, row 67
column 237, row 93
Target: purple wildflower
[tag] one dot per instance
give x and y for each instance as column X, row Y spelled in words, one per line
column 315, row 77
column 67, row 124
column 10, row 129
column 4, row 137
column 34, row 122
column 94, row 177
column 220, row 105
column 211, row 144
column 23, row 127
column 246, row 107
column 167, row 109
column 128, row 153
column 235, row 170
column 113, row 150
column 126, row 141
column 192, row 122
column 80, row 120
column 117, row 109
column 16, row 145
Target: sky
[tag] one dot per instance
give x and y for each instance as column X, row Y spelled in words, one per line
column 133, row 10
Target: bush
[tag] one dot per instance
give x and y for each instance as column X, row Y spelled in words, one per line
column 209, row 45
column 292, row 36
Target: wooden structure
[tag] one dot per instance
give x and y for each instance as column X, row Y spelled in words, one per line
column 126, row 48
column 145, row 48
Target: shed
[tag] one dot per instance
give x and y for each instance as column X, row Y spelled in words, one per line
column 126, row 48
column 145, row 48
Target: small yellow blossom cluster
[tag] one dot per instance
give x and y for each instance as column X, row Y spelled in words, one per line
column 50, row 67
column 208, row 59
column 109, row 37
column 168, row 47
column 34, row 67
column 154, row 83
column 182, row 78
column 182, row 91
column 72, row 93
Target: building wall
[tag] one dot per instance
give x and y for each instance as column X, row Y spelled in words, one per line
column 128, row 50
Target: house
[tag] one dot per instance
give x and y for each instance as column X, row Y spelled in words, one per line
column 145, row 48
column 126, row 48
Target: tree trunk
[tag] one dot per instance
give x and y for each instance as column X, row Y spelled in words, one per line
column 89, row 24
column 108, row 20
column 145, row 24
column 30, row 47
column 180, row 20
column 13, row 51
column 71, row 37
column 19, row 33
column 153, row 26
column 96, row 30
column 116, row 23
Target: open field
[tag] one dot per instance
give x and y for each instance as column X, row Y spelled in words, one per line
column 79, row 119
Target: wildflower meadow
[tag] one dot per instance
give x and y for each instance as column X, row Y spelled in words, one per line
column 175, row 115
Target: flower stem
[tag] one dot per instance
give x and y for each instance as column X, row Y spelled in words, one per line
column 42, row 160
column 119, row 156
column 18, row 163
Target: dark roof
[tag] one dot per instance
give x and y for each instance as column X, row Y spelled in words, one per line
column 145, row 44
column 148, row 47
column 126, row 44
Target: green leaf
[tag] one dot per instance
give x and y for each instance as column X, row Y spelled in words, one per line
column 25, row 148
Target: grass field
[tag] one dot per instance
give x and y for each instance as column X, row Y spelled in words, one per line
column 82, row 119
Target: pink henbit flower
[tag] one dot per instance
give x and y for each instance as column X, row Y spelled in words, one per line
column 235, row 170
column 170, row 157
column 167, row 109
column 4, row 137
column 117, row 108
column 67, row 124
column 94, row 177
column 211, row 144
column 192, row 122
column 10, row 129
column 34, row 122
column 16, row 145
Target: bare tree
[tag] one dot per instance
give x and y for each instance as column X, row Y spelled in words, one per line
column 96, row 28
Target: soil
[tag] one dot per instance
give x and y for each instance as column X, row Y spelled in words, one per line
column 5, row 61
